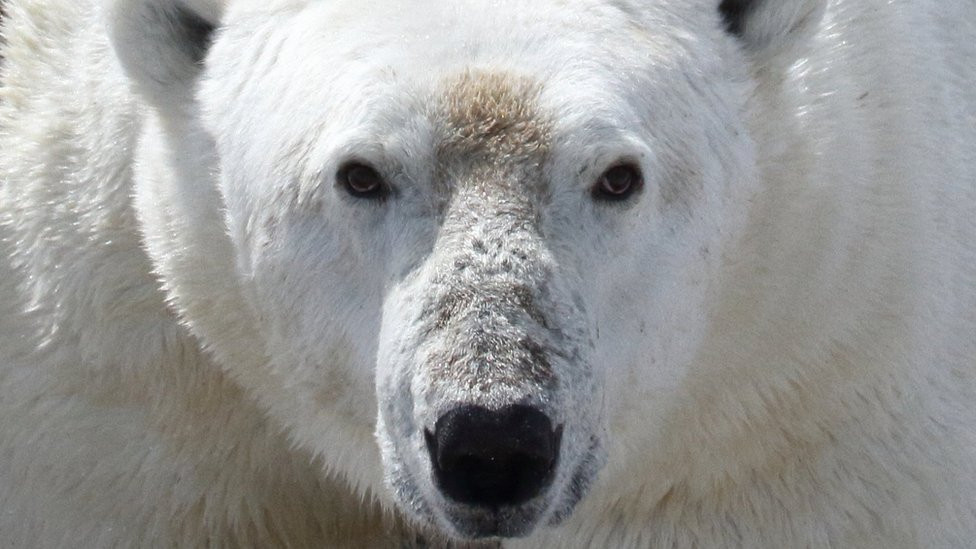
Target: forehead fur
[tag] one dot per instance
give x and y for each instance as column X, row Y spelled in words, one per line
column 490, row 115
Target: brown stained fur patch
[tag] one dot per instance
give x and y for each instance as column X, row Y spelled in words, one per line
column 491, row 117
column 493, row 147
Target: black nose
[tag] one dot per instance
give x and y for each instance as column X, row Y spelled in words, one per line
column 491, row 458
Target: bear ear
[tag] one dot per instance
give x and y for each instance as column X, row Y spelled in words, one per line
column 768, row 28
column 162, row 43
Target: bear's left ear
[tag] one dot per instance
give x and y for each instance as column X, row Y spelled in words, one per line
column 769, row 28
column 162, row 43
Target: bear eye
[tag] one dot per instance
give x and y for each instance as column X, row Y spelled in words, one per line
column 618, row 183
column 362, row 181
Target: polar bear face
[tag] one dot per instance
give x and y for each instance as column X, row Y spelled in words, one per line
column 485, row 233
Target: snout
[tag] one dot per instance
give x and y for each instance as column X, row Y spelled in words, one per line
column 486, row 368
column 493, row 458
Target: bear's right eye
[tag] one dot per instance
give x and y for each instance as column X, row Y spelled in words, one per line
column 362, row 181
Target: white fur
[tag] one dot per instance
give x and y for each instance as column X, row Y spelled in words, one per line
column 203, row 340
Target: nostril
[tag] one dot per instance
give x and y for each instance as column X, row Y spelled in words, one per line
column 493, row 457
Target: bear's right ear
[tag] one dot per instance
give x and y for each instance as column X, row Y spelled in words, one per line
column 162, row 43
column 768, row 28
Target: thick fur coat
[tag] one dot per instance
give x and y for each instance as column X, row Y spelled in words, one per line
column 253, row 253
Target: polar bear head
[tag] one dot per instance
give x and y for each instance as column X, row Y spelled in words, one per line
column 463, row 251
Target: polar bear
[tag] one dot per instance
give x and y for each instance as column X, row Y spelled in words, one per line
column 604, row 273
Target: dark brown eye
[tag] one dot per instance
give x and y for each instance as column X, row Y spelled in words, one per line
column 361, row 181
column 618, row 183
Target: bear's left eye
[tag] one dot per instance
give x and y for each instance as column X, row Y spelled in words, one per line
column 618, row 183
column 362, row 181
